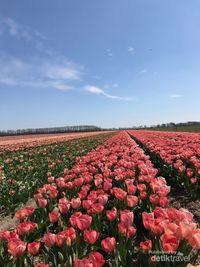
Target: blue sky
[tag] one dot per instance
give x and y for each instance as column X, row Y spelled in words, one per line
column 107, row 63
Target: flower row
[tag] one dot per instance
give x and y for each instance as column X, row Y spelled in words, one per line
column 16, row 143
column 22, row 172
column 181, row 151
column 109, row 209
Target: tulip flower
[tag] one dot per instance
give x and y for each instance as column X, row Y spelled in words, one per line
column 42, row 202
column 169, row 243
column 111, row 214
column 90, row 236
column 97, row 259
column 54, row 216
column 49, row 239
column 108, row 244
column 146, row 245
column 26, row 227
column 194, row 239
column 33, row 248
column 83, row 221
column 16, row 247
column 132, row 201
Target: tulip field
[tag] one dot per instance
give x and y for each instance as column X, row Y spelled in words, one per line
column 26, row 170
column 178, row 154
column 99, row 200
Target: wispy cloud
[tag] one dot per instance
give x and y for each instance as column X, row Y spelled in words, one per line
column 109, row 52
column 113, row 85
column 98, row 91
column 176, row 96
column 143, row 71
column 131, row 50
column 50, row 70
column 19, row 31
column 39, row 73
column 62, row 72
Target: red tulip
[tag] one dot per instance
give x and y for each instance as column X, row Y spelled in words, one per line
column 29, row 210
column 75, row 203
column 49, row 239
column 163, row 201
column 132, row 201
column 126, row 218
column 60, row 239
column 194, row 239
column 90, row 236
column 96, row 208
column 54, row 216
column 143, row 195
column 26, row 227
column 131, row 189
column 16, row 247
column 170, row 228
column 21, row 214
column 189, row 172
column 73, row 218
column 86, row 204
column 119, row 193
column 107, row 186
column 83, row 221
column 148, row 219
column 97, row 259
column 108, row 244
column 42, row 202
column 141, row 187
column 63, row 205
column 51, row 179
column 53, row 193
column 82, row 263
column 169, row 243
column 126, row 231
column 70, row 234
column 146, row 245
column 33, row 248
column 103, row 199
column 4, row 235
column 193, row 180
column 111, row 214
column 185, row 230
column 154, row 199
column 157, row 227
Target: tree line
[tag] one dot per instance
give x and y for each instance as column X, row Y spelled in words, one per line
column 52, row 130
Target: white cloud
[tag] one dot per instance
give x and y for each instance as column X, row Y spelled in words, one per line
column 176, row 95
column 19, row 31
column 143, row 71
column 39, row 73
column 96, row 90
column 109, row 52
column 93, row 89
column 131, row 50
column 113, row 85
column 62, row 72
column 50, row 70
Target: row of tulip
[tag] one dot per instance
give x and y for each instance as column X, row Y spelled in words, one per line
column 178, row 154
column 16, row 143
column 110, row 209
column 22, row 172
